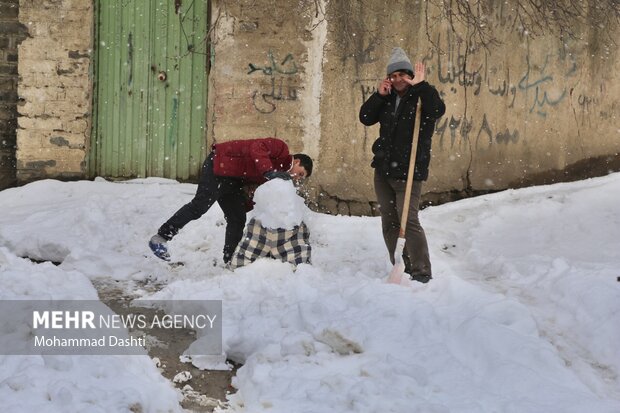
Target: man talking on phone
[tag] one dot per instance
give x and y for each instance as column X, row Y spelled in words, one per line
column 393, row 106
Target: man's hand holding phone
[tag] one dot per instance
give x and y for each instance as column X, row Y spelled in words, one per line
column 385, row 87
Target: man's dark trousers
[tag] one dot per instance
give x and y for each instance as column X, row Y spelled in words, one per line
column 229, row 194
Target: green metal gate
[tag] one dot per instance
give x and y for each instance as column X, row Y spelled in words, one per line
column 150, row 88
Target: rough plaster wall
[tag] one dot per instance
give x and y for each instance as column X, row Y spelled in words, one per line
column 313, row 84
column 530, row 111
column 516, row 114
column 259, row 79
column 55, row 88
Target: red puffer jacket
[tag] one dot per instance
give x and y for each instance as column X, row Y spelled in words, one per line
column 250, row 159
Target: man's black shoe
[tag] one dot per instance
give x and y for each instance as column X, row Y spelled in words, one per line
column 423, row 278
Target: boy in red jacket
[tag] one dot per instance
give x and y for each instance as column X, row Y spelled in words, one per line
column 227, row 170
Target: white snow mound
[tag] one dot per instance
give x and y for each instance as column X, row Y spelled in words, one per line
column 278, row 205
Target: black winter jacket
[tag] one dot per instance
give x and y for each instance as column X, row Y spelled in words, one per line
column 393, row 147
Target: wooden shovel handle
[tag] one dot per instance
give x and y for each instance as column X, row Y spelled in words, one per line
column 414, row 150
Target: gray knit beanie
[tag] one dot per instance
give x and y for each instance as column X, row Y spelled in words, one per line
column 399, row 61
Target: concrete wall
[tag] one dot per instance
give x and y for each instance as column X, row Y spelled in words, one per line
column 264, row 76
column 529, row 111
column 56, row 89
column 515, row 113
column 11, row 33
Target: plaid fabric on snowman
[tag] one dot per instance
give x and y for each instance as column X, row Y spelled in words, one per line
column 287, row 245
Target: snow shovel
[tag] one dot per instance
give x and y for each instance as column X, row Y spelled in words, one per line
column 399, row 265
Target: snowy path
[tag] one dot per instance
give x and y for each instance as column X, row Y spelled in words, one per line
column 205, row 390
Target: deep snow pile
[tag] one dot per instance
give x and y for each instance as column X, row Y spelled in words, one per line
column 78, row 383
column 522, row 314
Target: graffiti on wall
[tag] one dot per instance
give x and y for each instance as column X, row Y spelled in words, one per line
column 279, row 82
column 286, row 67
column 482, row 131
column 450, row 127
column 540, row 81
column 536, row 85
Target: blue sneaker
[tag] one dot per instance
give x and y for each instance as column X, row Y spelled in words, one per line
column 158, row 245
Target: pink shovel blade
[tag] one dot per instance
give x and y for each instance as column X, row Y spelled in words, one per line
column 399, row 265
column 396, row 274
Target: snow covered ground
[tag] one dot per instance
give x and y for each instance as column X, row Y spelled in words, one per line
column 523, row 314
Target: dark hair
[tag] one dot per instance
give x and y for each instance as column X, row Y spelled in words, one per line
column 305, row 161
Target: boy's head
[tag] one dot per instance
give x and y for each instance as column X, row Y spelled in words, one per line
column 302, row 166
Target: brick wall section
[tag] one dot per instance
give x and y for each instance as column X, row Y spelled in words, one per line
column 11, row 33
column 55, row 89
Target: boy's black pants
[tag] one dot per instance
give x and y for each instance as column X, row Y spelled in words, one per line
column 229, row 194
